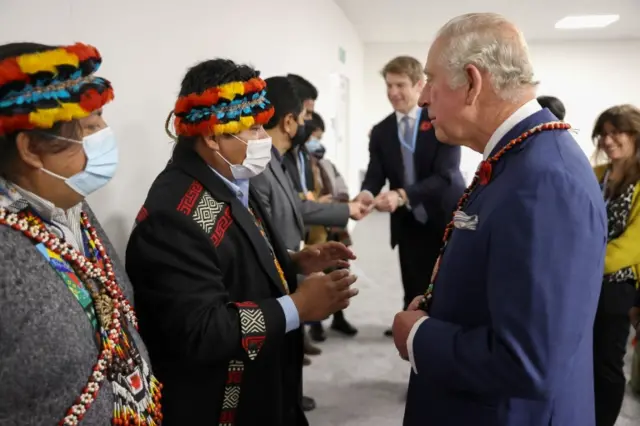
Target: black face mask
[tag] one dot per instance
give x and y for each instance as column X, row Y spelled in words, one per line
column 300, row 137
column 319, row 154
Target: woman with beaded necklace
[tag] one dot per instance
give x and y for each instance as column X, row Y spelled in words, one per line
column 70, row 352
column 617, row 136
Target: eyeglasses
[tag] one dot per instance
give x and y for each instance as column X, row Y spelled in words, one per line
column 603, row 136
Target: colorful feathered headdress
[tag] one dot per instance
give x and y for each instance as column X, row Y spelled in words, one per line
column 226, row 109
column 38, row 90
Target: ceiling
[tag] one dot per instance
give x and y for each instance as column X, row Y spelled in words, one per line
column 408, row 21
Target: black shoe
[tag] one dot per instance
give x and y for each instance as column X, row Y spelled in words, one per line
column 308, row 403
column 343, row 326
column 306, row 361
column 388, row 333
column 316, row 332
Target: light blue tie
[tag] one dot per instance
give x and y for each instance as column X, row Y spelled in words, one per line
column 409, row 168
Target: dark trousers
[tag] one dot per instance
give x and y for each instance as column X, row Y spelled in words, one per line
column 610, row 339
column 418, row 247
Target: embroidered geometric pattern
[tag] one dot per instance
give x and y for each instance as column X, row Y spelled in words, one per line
column 190, row 198
column 252, row 327
column 207, row 211
column 142, row 215
column 221, row 227
column 231, row 398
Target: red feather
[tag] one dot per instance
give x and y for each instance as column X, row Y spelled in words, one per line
column 484, row 173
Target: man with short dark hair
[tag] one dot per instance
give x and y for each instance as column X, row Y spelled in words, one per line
column 288, row 212
column 307, row 92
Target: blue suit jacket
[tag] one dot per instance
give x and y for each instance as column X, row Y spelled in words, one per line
column 509, row 338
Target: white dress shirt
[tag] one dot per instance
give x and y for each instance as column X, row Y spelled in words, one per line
column 521, row 113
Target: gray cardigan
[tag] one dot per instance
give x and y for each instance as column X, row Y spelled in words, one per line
column 47, row 348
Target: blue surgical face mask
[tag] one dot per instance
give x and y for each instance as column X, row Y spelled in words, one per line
column 313, row 145
column 101, row 150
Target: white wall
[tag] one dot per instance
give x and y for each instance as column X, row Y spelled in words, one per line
column 147, row 46
column 587, row 76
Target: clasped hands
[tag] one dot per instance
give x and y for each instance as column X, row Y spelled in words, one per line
column 403, row 323
column 321, row 295
column 385, row 202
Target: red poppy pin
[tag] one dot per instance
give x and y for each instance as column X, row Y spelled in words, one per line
column 425, row 126
column 484, row 173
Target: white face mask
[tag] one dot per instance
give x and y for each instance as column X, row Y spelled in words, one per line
column 101, row 150
column 257, row 159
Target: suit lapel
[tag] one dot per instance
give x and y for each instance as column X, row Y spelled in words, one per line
column 287, row 187
column 191, row 163
column 424, row 152
column 395, row 148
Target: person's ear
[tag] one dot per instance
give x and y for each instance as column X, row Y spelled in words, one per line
column 475, row 81
column 212, row 142
column 24, row 145
column 289, row 124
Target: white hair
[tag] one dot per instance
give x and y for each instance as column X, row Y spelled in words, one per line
column 492, row 44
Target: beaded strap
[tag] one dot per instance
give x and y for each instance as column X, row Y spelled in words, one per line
column 283, row 279
column 114, row 336
column 482, row 177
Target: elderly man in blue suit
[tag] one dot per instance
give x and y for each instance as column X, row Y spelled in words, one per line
column 504, row 334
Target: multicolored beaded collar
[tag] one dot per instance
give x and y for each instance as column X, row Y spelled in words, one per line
column 136, row 391
column 482, row 177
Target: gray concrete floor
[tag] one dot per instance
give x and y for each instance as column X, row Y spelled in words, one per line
column 361, row 381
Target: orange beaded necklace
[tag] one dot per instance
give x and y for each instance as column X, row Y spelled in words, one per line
column 482, row 177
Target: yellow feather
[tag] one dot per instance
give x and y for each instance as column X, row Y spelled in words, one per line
column 247, row 121
column 46, row 61
column 46, row 118
column 230, row 90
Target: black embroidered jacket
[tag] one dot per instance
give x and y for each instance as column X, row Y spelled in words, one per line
column 206, row 285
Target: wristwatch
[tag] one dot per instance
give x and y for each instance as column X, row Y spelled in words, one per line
column 401, row 200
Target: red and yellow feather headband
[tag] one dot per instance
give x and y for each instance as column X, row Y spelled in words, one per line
column 226, row 109
column 38, row 90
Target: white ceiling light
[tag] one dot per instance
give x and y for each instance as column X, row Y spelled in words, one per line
column 586, row 21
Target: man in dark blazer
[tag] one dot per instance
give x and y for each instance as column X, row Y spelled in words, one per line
column 288, row 212
column 216, row 291
column 424, row 177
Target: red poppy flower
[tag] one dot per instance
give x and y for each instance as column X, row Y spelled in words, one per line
column 484, row 173
column 425, row 125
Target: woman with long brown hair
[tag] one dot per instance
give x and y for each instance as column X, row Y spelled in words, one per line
column 617, row 137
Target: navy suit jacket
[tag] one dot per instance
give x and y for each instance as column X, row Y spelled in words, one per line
column 509, row 338
column 439, row 183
